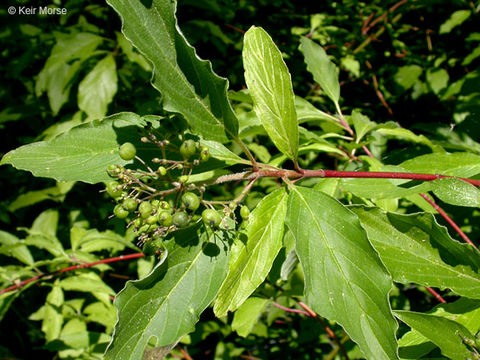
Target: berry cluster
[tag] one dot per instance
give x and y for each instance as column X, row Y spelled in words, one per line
column 155, row 203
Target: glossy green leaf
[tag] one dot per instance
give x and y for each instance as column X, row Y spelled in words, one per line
column 270, row 86
column 306, row 112
column 415, row 249
column 362, row 124
column 323, row 70
column 247, row 315
column 454, row 164
column 81, row 154
column 10, row 245
column 445, row 333
column 188, row 84
column 168, row 302
column 220, row 152
column 456, row 19
column 383, row 188
column 456, row 192
column 345, row 280
column 465, row 312
column 251, row 262
column 98, row 88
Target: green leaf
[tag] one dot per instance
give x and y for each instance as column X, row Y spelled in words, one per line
column 456, row 192
column 188, row 84
column 414, row 248
column 220, row 152
column 100, row 313
column 306, row 112
column 98, row 88
column 407, row 76
column 345, row 280
column 52, row 315
column 251, row 262
column 466, row 312
column 472, row 56
column 81, row 154
column 445, row 333
column 131, row 53
column 403, row 134
column 362, row 124
column 88, row 282
column 43, row 233
column 167, row 303
column 260, row 151
column 247, row 315
column 437, row 79
column 64, row 62
column 383, row 188
column 454, row 164
column 270, row 86
column 10, row 245
column 93, row 240
column 456, row 19
column 323, row 70
column 55, row 193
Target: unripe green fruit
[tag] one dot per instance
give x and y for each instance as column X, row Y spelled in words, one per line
column 150, row 248
column 211, row 217
column 138, row 222
column 188, row 149
column 180, row 219
column 244, row 212
column 162, row 171
column 152, row 219
column 127, row 151
column 183, row 179
column 191, row 201
column 145, row 209
column 111, row 170
column 204, row 154
column 113, row 189
column 120, row 212
column 129, row 204
column 164, row 218
column 155, row 204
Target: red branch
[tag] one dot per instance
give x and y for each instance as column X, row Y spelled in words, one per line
column 20, row 284
column 437, row 295
column 450, row 221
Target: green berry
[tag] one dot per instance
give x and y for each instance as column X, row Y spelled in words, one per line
column 120, row 212
column 138, row 222
column 111, row 170
column 183, row 179
column 204, row 154
column 150, row 248
column 114, row 189
column 166, row 206
column 152, row 219
column 130, row 204
column 127, row 151
column 155, row 204
column 244, row 212
column 180, row 219
column 211, row 217
column 188, row 149
column 164, row 218
column 162, row 171
column 145, row 209
column 191, row 201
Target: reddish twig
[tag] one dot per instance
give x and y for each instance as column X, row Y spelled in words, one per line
column 329, row 331
column 291, row 310
column 20, row 284
column 437, row 295
column 185, row 354
column 450, row 221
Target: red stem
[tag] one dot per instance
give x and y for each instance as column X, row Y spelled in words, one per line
column 291, row 310
column 437, row 295
column 71, row 268
column 450, row 221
